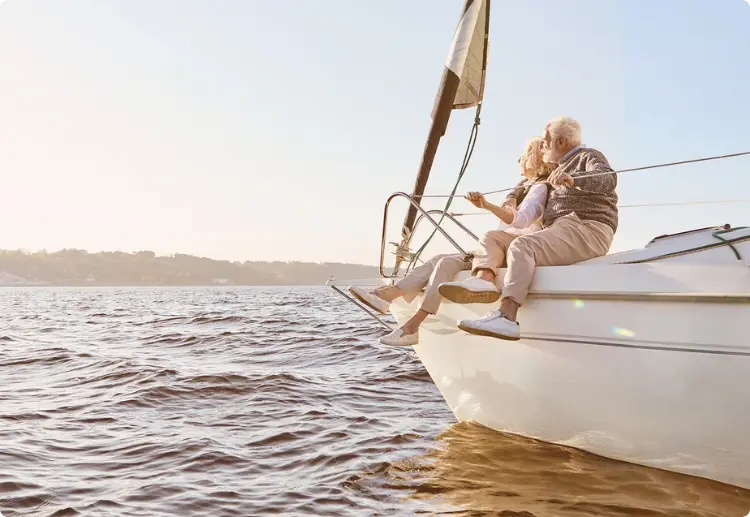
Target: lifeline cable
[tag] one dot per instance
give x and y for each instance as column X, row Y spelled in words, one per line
column 593, row 174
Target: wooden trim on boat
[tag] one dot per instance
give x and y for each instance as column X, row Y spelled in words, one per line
column 719, row 298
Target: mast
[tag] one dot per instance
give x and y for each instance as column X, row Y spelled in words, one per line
column 461, row 87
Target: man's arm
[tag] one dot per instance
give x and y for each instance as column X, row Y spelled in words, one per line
column 602, row 183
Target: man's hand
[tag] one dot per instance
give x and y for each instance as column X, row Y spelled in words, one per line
column 476, row 199
column 561, row 179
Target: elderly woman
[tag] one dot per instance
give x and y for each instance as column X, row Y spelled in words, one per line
column 579, row 223
column 531, row 197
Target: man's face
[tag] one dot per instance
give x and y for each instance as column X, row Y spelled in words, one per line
column 552, row 147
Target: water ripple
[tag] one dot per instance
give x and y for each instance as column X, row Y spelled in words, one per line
column 222, row 402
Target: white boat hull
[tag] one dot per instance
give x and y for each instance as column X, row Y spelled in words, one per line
column 643, row 363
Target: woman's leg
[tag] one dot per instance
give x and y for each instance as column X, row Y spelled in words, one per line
column 445, row 270
column 480, row 287
column 413, row 283
column 409, row 287
column 491, row 253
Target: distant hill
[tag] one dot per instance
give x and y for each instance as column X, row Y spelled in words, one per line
column 78, row 267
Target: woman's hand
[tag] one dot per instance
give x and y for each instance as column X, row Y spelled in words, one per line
column 476, row 199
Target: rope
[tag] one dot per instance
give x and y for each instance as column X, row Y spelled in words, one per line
column 470, row 150
column 719, row 202
column 465, row 164
column 593, row 174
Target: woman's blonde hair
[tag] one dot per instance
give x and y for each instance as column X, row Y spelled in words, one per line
column 532, row 161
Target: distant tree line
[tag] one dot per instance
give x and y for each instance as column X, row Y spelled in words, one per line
column 78, row 267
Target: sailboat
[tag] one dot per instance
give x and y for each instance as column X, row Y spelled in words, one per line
column 641, row 356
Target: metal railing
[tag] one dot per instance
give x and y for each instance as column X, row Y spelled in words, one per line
column 370, row 313
column 424, row 214
column 452, row 216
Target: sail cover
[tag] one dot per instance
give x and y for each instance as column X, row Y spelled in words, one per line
column 461, row 87
column 467, row 57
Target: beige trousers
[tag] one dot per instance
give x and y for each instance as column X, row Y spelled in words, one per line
column 439, row 269
column 567, row 241
column 492, row 249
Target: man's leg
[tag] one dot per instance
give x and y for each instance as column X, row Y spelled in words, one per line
column 566, row 242
column 481, row 288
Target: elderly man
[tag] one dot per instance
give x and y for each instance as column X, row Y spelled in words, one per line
column 578, row 224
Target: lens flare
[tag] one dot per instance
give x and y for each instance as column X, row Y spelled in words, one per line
column 623, row 332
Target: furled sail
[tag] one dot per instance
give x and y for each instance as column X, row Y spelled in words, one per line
column 467, row 58
column 461, row 87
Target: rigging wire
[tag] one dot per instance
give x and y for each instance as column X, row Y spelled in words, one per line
column 642, row 205
column 464, row 166
column 602, row 173
column 470, row 150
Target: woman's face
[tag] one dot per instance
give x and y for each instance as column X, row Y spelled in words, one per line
column 531, row 161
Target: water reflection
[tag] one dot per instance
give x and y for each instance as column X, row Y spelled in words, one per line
column 478, row 471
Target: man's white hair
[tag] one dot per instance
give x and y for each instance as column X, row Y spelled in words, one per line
column 565, row 127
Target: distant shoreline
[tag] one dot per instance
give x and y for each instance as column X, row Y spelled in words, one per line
column 79, row 268
column 180, row 286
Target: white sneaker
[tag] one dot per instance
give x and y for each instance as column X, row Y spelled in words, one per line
column 471, row 290
column 398, row 338
column 493, row 324
column 369, row 298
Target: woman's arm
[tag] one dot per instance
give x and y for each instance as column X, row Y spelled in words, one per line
column 511, row 199
column 501, row 212
column 531, row 208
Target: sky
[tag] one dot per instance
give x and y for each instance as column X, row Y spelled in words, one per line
column 257, row 130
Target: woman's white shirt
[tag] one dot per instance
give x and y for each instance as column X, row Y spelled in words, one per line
column 527, row 217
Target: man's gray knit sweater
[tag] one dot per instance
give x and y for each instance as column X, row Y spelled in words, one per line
column 593, row 198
